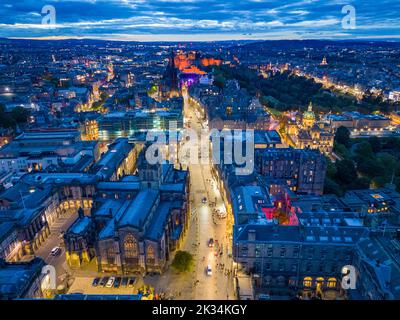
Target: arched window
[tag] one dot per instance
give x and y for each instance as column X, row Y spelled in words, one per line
column 150, row 252
column 130, row 247
column 307, row 282
column 110, row 255
column 332, row 283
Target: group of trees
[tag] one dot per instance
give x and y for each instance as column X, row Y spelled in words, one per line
column 286, row 91
column 16, row 116
column 365, row 163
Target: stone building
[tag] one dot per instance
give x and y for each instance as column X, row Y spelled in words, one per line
column 286, row 259
column 303, row 170
column 135, row 224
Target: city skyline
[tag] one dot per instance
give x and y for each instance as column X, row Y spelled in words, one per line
column 234, row 170
column 189, row 20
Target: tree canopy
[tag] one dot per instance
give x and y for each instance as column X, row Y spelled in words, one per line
column 183, row 261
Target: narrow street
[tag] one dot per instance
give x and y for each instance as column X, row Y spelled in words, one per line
column 55, row 240
column 206, row 226
column 197, row 285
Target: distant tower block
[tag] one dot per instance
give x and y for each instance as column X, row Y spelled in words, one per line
column 324, row 62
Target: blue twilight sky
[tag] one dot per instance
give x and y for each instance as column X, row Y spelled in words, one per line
column 150, row 20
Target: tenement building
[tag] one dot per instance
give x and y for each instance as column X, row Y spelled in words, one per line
column 286, row 259
column 303, row 170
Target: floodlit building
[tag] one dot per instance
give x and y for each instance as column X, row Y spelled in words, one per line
column 136, row 223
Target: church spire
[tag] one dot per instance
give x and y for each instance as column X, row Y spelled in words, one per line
column 310, row 107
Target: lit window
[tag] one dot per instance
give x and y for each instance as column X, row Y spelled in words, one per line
column 131, row 247
column 307, row 282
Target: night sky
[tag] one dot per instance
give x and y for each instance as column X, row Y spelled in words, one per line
column 153, row 20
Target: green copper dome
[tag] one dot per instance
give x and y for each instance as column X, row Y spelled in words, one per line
column 309, row 114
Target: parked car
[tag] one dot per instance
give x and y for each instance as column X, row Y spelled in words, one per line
column 131, row 282
column 124, row 282
column 103, row 281
column 209, row 271
column 95, row 282
column 204, row 200
column 117, row 282
column 56, row 251
column 110, row 282
column 211, row 242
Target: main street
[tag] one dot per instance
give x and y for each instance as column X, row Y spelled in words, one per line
column 203, row 226
column 206, row 225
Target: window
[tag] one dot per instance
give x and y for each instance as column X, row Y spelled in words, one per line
column 331, row 283
column 130, row 246
column 150, row 252
column 111, row 255
column 307, row 282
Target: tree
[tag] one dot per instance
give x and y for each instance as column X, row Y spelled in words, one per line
column 360, row 183
column 331, row 169
column 371, row 168
column 375, row 143
column 363, row 151
column 20, row 115
column 341, row 150
column 331, row 187
column 346, row 171
column 183, row 261
column 388, row 162
column 343, row 136
column 219, row 81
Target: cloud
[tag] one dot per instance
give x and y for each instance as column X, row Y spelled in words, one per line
column 199, row 18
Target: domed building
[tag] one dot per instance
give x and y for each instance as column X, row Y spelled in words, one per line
column 307, row 133
column 308, row 119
